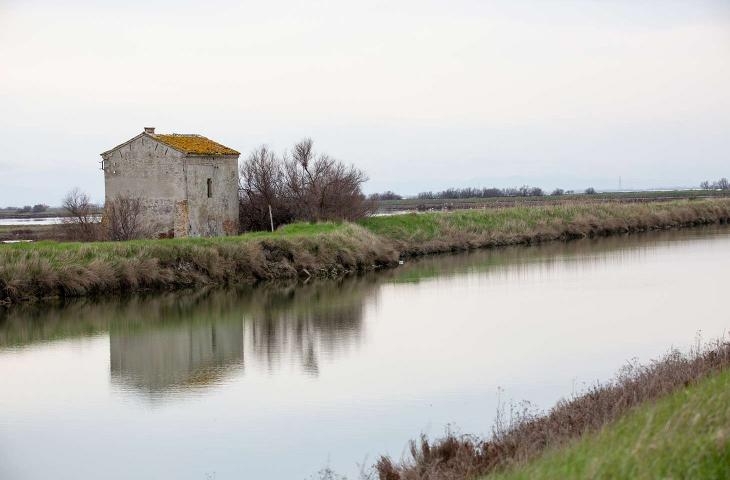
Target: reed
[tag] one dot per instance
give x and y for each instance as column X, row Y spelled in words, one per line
column 620, row 450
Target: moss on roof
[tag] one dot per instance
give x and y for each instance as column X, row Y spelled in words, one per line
column 194, row 144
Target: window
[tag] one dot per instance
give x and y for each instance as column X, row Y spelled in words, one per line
column 210, row 188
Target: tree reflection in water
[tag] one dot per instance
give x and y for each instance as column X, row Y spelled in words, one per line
column 161, row 343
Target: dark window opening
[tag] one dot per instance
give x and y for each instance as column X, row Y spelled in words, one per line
column 210, row 188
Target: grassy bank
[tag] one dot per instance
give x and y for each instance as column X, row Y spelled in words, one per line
column 51, row 269
column 416, row 234
column 412, row 204
column 685, row 435
column 667, row 419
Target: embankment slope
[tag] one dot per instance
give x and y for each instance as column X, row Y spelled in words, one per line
column 49, row 269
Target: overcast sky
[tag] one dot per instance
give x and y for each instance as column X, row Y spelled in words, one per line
column 420, row 94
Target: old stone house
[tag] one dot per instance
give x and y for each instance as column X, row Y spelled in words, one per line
column 187, row 184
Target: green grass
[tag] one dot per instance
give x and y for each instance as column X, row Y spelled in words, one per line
column 683, row 435
column 49, row 268
column 288, row 231
column 506, row 225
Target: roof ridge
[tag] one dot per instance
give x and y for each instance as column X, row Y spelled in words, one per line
column 186, row 143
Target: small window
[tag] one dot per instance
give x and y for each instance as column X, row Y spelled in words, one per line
column 210, row 188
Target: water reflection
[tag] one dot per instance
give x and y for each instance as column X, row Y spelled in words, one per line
column 180, row 341
column 181, row 356
column 233, row 383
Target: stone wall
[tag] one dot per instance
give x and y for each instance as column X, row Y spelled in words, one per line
column 216, row 215
column 146, row 169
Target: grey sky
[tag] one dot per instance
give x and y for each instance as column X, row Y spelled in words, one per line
column 420, row 94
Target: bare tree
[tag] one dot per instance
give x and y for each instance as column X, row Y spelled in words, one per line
column 123, row 219
column 722, row 184
column 299, row 186
column 261, row 188
column 82, row 219
column 323, row 188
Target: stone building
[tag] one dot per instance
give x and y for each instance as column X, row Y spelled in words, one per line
column 187, row 184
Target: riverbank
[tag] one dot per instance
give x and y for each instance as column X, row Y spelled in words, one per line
column 49, row 269
column 667, row 419
column 435, row 204
column 684, row 435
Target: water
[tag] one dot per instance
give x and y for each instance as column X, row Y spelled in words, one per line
column 25, row 222
column 279, row 382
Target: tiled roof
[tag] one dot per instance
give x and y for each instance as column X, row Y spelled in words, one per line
column 194, row 144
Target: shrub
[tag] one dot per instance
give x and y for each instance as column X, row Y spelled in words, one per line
column 123, row 219
column 82, row 222
column 301, row 186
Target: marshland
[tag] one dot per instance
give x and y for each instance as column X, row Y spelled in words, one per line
column 31, row 271
column 302, row 377
column 505, row 256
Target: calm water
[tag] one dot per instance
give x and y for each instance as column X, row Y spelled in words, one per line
column 279, row 382
column 31, row 221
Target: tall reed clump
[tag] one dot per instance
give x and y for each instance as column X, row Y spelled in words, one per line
column 526, row 434
column 46, row 269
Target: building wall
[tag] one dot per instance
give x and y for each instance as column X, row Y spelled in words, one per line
column 174, row 188
column 147, row 169
column 216, row 215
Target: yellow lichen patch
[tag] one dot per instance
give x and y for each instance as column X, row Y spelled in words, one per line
column 195, row 144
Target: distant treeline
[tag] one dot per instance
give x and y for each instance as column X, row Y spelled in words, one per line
column 523, row 191
column 38, row 208
column 455, row 193
column 722, row 184
column 460, row 193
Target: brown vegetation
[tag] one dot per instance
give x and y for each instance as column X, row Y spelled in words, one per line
column 302, row 186
column 419, row 234
column 82, row 224
column 123, row 219
column 526, row 434
column 31, row 271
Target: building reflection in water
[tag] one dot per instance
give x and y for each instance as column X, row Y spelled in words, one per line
column 162, row 343
column 182, row 342
column 187, row 355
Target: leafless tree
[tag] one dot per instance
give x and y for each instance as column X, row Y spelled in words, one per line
column 323, row 188
column 81, row 221
column 299, row 186
column 123, row 219
column 722, row 184
column 261, row 188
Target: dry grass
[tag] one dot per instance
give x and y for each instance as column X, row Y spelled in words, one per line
column 417, row 234
column 526, row 434
column 48, row 269
column 29, row 272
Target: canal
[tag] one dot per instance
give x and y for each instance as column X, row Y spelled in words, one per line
column 280, row 381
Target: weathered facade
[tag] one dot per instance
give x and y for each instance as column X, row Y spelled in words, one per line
column 188, row 184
